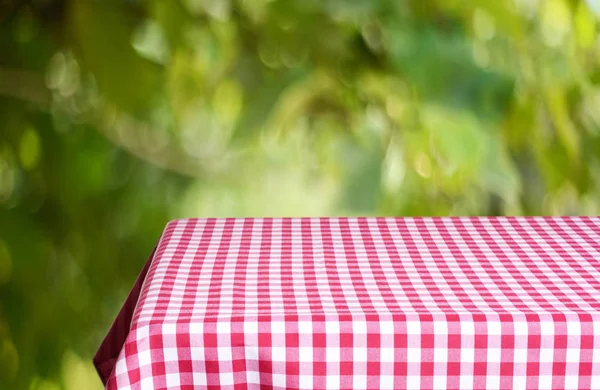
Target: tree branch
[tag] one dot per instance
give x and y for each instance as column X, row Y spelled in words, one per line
column 30, row 87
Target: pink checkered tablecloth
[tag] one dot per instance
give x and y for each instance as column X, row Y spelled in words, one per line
column 363, row 303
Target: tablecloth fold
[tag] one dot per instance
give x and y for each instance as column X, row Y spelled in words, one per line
column 108, row 352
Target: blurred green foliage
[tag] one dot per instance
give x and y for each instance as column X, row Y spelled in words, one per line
column 116, row 116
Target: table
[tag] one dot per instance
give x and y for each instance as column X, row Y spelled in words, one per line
column 356, row 303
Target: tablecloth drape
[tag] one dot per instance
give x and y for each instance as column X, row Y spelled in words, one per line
column 356, row 303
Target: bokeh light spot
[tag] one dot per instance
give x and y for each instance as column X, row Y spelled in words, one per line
column 227, row 101
column 9, row 360
column 269, row 55
column 79, row 374
column 423, row 165
column 393, row 168
column 150, row 43
column 57, row 69
column 29, row 148
column 483, row 25
column 527, row 8
column 219, row 10
column 555, row 22
column 594, row 6
column 7, row 173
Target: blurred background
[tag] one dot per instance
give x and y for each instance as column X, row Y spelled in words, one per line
column 117, row 116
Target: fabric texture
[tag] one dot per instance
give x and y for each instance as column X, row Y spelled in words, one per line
column 364, row 303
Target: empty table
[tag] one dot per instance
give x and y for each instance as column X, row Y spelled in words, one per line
column 357, row 303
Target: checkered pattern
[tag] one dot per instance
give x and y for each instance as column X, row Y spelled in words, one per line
column 377, row 303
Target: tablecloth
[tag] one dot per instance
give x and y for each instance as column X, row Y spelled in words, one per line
column 357, row 303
